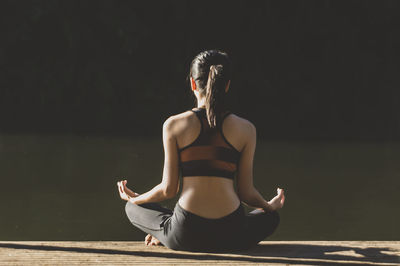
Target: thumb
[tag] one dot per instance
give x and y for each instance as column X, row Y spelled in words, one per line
column 283, row 199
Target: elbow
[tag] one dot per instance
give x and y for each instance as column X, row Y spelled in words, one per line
column 169, row 192
column 242, row 196
column 245, row 195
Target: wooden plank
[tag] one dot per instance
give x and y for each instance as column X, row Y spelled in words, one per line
column 136, row 253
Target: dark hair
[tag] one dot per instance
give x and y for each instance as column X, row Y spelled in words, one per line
column 211, row 71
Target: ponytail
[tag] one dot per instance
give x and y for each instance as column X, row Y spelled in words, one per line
column 215, row 92
column 211, row 71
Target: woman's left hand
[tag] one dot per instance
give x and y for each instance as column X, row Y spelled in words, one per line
column 278, row 201
column 124, row 192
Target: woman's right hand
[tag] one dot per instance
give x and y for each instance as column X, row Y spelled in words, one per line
column 277, row 202
column 124, row 192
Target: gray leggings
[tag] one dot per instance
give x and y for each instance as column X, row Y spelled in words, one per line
column 183, row 230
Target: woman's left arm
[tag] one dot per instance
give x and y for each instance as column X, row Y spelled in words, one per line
column 169, row 186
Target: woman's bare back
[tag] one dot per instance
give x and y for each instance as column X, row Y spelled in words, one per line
column 206, row 196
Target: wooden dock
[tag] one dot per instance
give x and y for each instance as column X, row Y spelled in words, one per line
column 135, row 253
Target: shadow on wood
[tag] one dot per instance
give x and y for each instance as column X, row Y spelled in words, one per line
column 324, row 252
column 267, row 252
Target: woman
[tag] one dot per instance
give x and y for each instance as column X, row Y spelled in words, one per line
column 209, row 145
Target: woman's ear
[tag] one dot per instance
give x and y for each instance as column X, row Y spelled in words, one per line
column 192, row 84
column 227, row 86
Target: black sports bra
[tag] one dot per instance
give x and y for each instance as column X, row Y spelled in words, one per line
column 210, row 154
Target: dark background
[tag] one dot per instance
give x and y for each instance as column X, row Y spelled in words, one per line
column 86, row 85
column 303, row 70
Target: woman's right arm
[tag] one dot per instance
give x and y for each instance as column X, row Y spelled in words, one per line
column 246, row 190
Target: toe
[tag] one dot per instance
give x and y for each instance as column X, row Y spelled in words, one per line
column 147, row 239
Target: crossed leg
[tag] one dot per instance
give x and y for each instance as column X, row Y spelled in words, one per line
column 151, row 219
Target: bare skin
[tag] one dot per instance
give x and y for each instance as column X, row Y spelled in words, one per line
column 209, row 197
column 125, row 194
column 151, row 241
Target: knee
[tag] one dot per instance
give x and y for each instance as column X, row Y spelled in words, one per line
column 271, row 221
column 130, row 210
column 275, row 219
column 127, row 206
column 270, row 224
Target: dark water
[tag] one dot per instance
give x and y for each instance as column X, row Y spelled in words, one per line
column 64, row 187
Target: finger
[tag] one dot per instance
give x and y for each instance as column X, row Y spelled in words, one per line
column 122, row 194
column 147, row 239
column 120, row 188
column 280, row 192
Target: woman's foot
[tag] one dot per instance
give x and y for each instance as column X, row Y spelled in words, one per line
column 151, row 241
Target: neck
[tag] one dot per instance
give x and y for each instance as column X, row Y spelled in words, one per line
column 201, row 103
